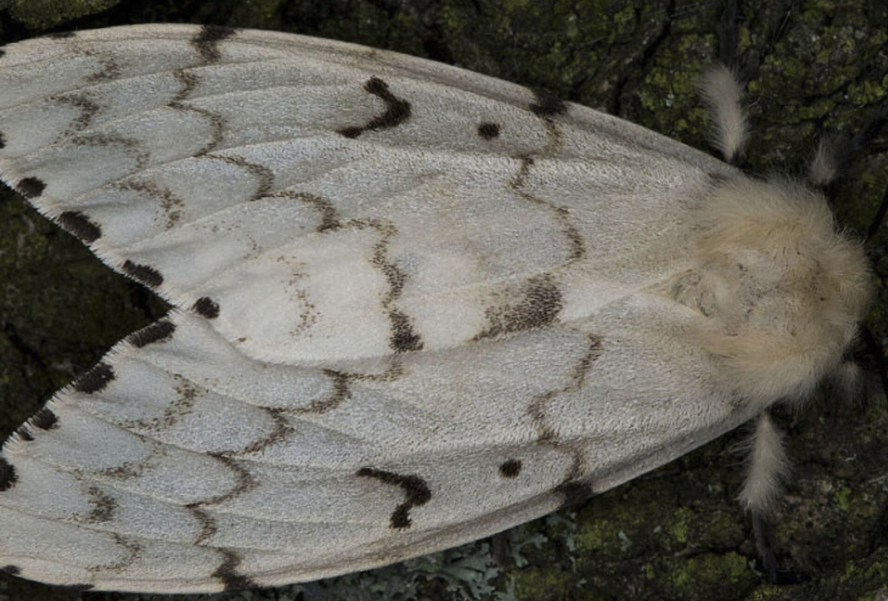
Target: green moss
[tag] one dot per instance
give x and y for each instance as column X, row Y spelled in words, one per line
column 43, row 14
column 681, row 524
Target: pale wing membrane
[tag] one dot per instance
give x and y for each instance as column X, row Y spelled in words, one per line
column 414, row 308
column 179, row 464
column 299, row 176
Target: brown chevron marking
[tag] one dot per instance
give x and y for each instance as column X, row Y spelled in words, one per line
column 539, row 305
column 95, row 380
column 133, row 549
column 342, row 387
column 245, row 481
column 227, row 572
column 282, row 429
column 180, row 407
column 110, row 69
column 159, row 331
column 561, row 214
column 206, row 42
column 131, row 146
column 103, row 506
column 86, row 106
column 263, row 175
column 330, row 220
column 572, row 487
column 416, row 493
column 208, row 526
column 80, row 226
column 340, row 393
column 169, row 202
column 397, row 110
column 188, row 81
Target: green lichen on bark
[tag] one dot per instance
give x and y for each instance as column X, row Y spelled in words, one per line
column 44, row 14
column 812, row 66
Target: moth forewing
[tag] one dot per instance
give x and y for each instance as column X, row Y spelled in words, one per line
column 416, row 305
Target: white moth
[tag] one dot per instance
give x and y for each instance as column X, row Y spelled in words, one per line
column 416, row 306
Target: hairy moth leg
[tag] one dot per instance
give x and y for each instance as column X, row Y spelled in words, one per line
column 768, row 466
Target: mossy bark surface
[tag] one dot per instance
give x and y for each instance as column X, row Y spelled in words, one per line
column 812, row 67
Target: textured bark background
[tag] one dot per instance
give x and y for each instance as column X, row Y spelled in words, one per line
column 813, row 66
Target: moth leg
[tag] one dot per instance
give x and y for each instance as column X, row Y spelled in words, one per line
column 768, row 466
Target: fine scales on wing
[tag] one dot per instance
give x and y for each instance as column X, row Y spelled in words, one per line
column 416, row 305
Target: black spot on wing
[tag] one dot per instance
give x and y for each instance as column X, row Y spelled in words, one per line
column 397, row 110
column 24, row 434
column 156, row 332
column 510, row 468
column 8, row 476
column 206, row 307
column 206, row 42
column 30, row 187
column 11, row 569
column 416, row 493
column 574, row 492
column 45, row 419
column 547, row 104
column 143, row 273
column 227, row 572
column 488, row 130
column 95, row 380
column 2, row 137
column 61, row 35
column 80, row 226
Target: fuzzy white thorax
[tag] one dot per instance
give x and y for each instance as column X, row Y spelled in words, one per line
column 781, row 288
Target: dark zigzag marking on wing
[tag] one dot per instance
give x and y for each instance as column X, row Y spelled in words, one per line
column 104, row 506
column 131, row 146
column 403, row 337
column 206, row 42
column 169, row 202
column 86, row 106
column 397, row 110
column 133, row 552
column 264, row 175
column 188, row 80
column 572, row 488
column 227, row 572
column 562, row 214
column 330, row 219
column 416, row 493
